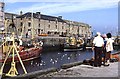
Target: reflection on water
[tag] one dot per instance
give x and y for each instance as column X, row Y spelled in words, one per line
column 52, row 59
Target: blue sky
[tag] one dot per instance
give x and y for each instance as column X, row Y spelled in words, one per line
column 102, row 15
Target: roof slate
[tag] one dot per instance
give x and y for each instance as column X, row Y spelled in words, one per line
column 41, row 16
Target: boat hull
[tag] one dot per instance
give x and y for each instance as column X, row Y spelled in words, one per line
column 72, row 47
column 25, row 55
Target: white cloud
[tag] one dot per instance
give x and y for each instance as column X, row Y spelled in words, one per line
column 64, row 7
column 12, row 1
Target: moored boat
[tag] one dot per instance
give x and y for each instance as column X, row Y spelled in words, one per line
column 26, row 51
column 25, row 55
column 73, row 44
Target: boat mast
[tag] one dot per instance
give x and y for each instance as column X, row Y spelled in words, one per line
column 32, row 17
column 23, row 27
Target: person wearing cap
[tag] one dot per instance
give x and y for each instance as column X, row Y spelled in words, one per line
column 98, row 44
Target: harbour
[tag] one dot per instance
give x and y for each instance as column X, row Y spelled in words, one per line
column 48, row 65
column 35, row 45
column 52, row 56
column 53, row 60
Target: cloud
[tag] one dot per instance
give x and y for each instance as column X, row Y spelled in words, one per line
column 12, row 1
column 65, row 7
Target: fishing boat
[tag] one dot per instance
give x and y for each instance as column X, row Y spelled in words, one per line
column 73, row 43
column 27, row 51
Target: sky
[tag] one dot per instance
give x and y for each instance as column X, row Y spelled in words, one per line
column 102, row 15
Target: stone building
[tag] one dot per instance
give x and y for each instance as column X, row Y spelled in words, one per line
column 1, row 15
column 78, row 28
column 45, row 24
column 41, row 24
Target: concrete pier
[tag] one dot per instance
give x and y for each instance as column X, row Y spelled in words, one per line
column 80, row 71
column 86, row 71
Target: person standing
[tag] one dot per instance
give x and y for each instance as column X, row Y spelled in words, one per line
column 98, row 44
column 104, row 49
column 109, row 47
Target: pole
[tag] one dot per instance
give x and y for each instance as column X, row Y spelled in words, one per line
column 1, row 70
column 32, row 25
column 13, row 71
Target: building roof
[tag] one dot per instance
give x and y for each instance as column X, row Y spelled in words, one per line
column 38, row 15
column 41, row 16
column 10, row 15
column 75, row 23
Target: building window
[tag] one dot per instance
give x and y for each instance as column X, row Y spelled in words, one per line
column 38, row 31
column 29, row 29
column 56, row 21
column 39, row 25
column 29, row 18
column 21, row 24
column 2, row 10
column 29, row 24
column 49, row 21
column 1, row 17
column 62, row 27
column 48, row 26
column 82, row 30
column 21, row 30
column 56, row 26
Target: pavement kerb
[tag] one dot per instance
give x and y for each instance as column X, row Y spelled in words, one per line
column 65, row 66
column 35, row 74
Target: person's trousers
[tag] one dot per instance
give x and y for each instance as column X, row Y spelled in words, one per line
column 104, row 57
column 108, row 55
column 98, row 56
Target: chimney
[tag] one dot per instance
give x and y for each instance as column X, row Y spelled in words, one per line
column 60, row 17
column 38, row 14
column 21, row 12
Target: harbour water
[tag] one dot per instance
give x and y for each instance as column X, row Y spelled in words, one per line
column 52, row 59
column 52, row 56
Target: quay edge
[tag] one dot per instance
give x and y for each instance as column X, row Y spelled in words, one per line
column 65, row 66
column 34, row 74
